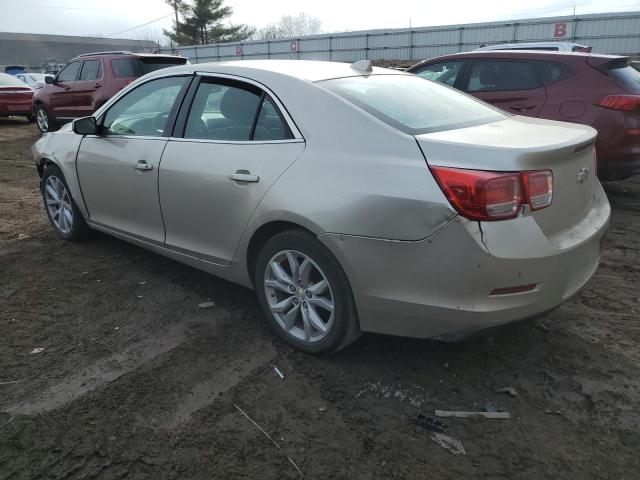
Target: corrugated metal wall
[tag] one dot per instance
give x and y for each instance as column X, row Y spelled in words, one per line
column 614, row 33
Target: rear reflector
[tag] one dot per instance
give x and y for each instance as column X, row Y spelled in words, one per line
column 510, row 290
column 481, row 195
column 621, row 102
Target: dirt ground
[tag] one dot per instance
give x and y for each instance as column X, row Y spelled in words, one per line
column 135, row 381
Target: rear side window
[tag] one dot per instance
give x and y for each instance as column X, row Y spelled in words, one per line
column 497, row 75
column 234, row 112
column 136, row 67
column 91, row 70
column 552, row 72
column 443, row 72
column 69, row 73
column 413, row 105
column 124, row 67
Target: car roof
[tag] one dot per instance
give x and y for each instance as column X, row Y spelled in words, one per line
column 309, row 70
column 532, row 44
column 528, row 54
column 123, row 54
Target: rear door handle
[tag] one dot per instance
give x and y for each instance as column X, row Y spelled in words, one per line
column 522, row 108
column 142, row 165
column 244, row 176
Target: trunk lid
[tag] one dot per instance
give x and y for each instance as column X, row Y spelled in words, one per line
column 519, row 144
column 16, row 93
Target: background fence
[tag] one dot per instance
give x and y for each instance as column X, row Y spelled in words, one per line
column 615, row 33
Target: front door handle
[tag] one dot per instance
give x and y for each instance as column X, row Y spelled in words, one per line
column 142, row 165
column 244, row 176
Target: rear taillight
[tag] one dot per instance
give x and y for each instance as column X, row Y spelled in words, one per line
column 621, row 102
column 538, row 187
column 480, row 195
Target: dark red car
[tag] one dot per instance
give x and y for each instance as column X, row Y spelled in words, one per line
column 602, row 91
column 89, row 80
column 15, row 97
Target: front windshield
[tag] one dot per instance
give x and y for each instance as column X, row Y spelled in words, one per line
column 412, row 104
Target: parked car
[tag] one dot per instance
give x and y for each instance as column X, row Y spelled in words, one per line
column 602, row 91
column 15, row 69
column 352, row 199
column 88, row 81
column 544, row 46
column 15, row 97
column 34, row 80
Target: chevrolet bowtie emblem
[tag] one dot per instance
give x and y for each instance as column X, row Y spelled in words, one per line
column 583, row 174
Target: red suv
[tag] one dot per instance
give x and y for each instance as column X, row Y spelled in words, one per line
column 602, row 91
column 89, row 80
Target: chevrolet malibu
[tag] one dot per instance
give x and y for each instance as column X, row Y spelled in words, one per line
column 352, row 199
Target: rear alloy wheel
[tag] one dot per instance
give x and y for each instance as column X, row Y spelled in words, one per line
column 62, row 211
column 305, row 294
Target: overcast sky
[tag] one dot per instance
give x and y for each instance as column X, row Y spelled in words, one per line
column 116, row 18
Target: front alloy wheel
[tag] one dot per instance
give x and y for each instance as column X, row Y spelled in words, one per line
column 62, row 211
column 58, row 204
column 299, row 296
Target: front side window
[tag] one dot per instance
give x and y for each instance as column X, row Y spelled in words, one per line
column 144, row 110
column 233, row 112
column 497, row 76
column 413, row 105
column 443, row 72
column 69, row 73
column 91, row 70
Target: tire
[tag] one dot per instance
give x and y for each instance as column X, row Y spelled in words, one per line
column 44, row 120
column 31, row 118
column 299, row 328
column 67, row 221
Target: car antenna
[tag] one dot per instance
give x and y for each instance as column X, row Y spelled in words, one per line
column 362, row 65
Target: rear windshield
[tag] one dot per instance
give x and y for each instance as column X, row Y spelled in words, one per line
column 136, row 67
column 7, row 80
column 412, row 104
column 627, row 76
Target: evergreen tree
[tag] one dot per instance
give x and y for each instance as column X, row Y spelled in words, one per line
column 202, row 22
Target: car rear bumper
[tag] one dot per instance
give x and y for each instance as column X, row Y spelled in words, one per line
column 442, row 285
column 618, row 144
column 18, row 108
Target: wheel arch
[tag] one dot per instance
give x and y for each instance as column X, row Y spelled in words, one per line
column 261, row 235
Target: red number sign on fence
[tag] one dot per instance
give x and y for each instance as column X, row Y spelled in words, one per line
column 295, row 46
column 561, row 30
column 238, row 49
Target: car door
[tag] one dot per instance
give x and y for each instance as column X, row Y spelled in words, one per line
column 87, row 90
column 448, row 72
column 61, row 91
column 236, row 141
column 118, row 168
column 512, row 85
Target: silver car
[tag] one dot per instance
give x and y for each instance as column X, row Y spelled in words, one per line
column 352, row 199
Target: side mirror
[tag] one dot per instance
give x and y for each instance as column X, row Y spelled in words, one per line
column 85, row 126
column 49, row 80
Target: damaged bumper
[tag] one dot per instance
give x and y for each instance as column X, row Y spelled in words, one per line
column 447, row 283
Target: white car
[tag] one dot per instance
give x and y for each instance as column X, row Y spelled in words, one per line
column 33, row 79
column 547, row 46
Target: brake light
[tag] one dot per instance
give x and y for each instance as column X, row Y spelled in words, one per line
column 621, row 102
column 481, row 195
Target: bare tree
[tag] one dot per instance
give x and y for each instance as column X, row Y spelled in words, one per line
column 290, row 26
